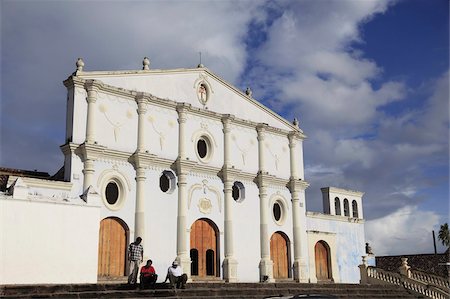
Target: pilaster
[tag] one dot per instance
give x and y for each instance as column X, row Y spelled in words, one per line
column 92, row 87
column 140, row 161
column 228, row 173
column 88, row 154
column 142, row 110
column 297, row 188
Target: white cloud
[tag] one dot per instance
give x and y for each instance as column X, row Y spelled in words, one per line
column 406, row 231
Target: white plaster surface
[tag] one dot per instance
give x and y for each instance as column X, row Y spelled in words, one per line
column 47, row 242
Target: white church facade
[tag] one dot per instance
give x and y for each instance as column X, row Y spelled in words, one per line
column 198, row 169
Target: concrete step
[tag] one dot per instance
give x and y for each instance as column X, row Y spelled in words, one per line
column 204, row 290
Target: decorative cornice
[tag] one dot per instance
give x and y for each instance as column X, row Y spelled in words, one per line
column 88, row 151
column 141, row 160
column 296, row 185
column 41, row 183
column 73, row 81
column 318, row 215
column 69, row 148
column 264, row 179
column 342, row 191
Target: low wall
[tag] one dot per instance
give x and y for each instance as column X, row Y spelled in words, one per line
column 47, row 242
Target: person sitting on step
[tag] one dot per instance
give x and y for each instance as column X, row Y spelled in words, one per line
column 148, row 276
column 176, row 276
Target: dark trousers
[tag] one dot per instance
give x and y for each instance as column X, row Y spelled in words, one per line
column 148, row 281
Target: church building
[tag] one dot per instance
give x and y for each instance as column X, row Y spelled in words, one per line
column 201, row 171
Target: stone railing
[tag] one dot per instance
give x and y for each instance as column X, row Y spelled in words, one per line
column 420, row 283
column 431, row 279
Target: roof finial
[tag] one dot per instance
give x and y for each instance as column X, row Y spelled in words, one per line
column 146, row 64
column 80, row 64
column 249, row 92
column 200, row 65
column 295, row 122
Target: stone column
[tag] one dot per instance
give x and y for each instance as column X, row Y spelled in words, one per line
column 229, row 263
column 139, row 214
column 142, row 110
column 183, row 256
column 88, row 173
column 139, row 164
column 92, row 88
column 298, row 215
column 265, row 264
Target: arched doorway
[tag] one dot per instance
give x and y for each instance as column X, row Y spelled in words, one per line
column 322, row 258
column 280, row 255
column 112, row 247
column 204, row 249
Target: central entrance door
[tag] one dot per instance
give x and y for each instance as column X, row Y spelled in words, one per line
column 204, row 249
column 322, row 259
column 112, row 247
column 279, row 255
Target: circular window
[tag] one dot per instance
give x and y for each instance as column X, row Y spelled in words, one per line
column 164, row 183
column 202, row 148
column 167, row 181
column 238, row 191
column 277, row 211
column 112, row 193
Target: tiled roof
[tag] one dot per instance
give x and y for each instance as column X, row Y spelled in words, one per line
column 6, row 172
column 429, row 263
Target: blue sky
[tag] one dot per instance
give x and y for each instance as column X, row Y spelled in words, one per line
column 368, row 81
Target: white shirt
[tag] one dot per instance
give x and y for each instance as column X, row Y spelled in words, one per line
column 177, row 272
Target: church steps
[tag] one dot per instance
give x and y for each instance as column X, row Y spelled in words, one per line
column 204, row 290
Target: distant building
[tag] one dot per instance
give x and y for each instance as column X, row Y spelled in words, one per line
column 200, row 170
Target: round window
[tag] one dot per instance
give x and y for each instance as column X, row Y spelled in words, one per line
column 112, row 193
column 238, row 192
column 202, row 148
column 164, row 183
column 277, row 211
column 167, row 181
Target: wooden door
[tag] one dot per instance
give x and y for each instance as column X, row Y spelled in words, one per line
column 279, row 256
column 203, row 248
column 322, row 261
column 112, row 248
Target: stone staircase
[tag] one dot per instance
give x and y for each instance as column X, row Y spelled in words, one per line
column 208, row 290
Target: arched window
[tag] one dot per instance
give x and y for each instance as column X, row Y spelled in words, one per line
column 346, row 207
column 209, row 262
column 194, row 261
column 355, row 209
column 337, row 206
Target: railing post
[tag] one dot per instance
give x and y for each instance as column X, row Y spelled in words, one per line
column 404, row 269
column 363, row 271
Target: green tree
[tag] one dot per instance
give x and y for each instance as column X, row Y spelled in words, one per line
column 444, row 235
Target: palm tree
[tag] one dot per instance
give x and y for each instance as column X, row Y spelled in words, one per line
column 444, row 235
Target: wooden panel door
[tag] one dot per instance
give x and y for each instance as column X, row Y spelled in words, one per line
column 279, row 256
column 204, row 240
column 322, row 264
column 112, row 248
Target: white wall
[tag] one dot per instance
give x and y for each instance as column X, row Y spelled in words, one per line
column 48, row 242
column 349, row 246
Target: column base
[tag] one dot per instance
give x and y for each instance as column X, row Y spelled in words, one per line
column 185, row 262
column 230, row 269
column 266, row 270
column 300, row 271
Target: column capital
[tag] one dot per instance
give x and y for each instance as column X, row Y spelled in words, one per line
column 141, row 101
column 87, row 151
column 227, row 119
column 293, row 136
column 261, row 128
column 93, row 85
column 141, row 160
column 297, row 185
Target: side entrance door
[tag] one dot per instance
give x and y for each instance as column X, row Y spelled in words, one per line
column 112, row 248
